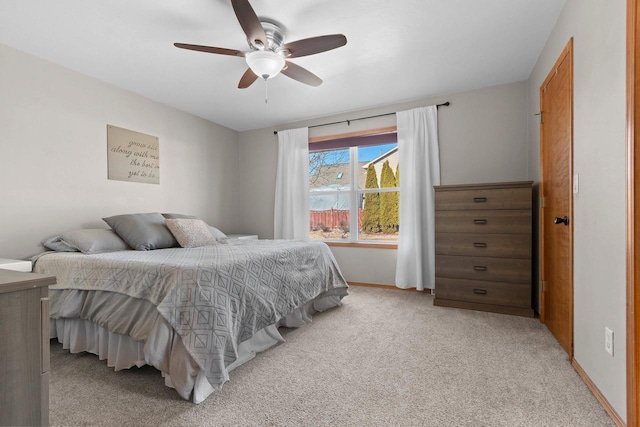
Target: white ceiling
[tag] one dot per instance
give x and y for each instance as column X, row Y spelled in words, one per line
column 397, row 50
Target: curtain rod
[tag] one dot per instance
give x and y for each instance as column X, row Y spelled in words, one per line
column 348, row 122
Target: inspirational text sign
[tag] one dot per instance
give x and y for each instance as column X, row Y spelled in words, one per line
column 133, row 156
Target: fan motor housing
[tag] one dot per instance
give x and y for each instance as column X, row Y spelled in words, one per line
column 275, row 35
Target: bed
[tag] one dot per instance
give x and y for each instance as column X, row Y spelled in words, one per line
column 193, row 313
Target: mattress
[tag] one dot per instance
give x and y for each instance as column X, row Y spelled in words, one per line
column 194, row 307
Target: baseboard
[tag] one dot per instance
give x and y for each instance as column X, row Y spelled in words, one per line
column 596, row 392
column 395, row 288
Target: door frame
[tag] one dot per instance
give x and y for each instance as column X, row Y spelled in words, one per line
column 633, row 215
column 567, row 52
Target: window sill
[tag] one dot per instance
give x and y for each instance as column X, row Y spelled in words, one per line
column 363, row 245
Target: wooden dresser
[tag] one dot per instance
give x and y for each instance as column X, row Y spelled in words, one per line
column 483, row 247
column 24, row 352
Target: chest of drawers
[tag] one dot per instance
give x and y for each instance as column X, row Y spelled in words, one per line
column 483, row 247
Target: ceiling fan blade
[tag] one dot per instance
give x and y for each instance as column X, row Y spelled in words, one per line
column 247, row 79
column 315, row 45
column 210, row 49
column 300, row 74
column 249, row 22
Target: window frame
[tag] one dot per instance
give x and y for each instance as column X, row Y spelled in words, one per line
column 354, row 190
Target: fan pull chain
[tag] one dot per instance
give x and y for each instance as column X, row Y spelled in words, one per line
column 266, row 91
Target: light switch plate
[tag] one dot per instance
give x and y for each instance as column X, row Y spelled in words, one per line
column 608, row 340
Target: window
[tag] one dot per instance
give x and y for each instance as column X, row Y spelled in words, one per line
column 355, row 190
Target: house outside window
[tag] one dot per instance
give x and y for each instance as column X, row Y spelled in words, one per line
column 355, row 191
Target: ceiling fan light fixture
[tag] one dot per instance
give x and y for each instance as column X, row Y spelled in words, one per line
column 265, row 63
column 268, row 51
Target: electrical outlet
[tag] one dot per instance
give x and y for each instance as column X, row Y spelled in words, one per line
column 608, row 340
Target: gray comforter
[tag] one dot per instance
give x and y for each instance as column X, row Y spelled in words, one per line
column 215, row 297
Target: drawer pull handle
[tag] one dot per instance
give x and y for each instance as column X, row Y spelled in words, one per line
column 479, row 221
column 480, row 291
column 479, row 268
column 479, row 245
column 479, row 200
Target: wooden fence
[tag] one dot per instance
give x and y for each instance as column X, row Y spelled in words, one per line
column 332, row 218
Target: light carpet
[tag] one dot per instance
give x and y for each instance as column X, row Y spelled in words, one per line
column 384, row 358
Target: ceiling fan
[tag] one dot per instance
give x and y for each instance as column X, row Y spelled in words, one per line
column 268, row 55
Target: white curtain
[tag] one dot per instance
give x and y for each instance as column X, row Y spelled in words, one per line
column 419, row 158
column 291, row 216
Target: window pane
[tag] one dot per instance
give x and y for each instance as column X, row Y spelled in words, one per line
column 378, row 219
column 378, row 166
column 329, row 170
column 329, row 216
column 333, row 194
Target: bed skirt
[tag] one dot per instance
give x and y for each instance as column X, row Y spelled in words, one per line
column 165, row 351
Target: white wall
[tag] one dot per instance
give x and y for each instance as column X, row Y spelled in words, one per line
column 483, row 138
column 598, row 29
column 53, row 156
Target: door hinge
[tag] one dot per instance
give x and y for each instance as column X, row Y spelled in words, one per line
column 542, row 285
column 541, row 202
column 541, row 114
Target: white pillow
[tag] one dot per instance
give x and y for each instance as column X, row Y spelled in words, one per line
column 190, row 232
column 219, row 235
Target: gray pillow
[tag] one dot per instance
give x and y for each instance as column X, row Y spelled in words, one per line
column 94, row 240
column 219, row 235
column 55, row 243
column 142, row 231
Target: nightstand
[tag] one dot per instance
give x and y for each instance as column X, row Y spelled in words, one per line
column 15, row 265
column 24, row 353
column 242, row 236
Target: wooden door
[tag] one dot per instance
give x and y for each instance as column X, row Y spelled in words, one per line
column 556, row 222
column 633, row 213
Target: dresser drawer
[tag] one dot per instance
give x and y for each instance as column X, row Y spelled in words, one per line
column 499, row 198
column 482, row 292
column 489, row 221
column 486, row 245
column 484, row 268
